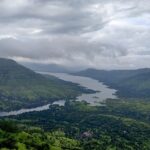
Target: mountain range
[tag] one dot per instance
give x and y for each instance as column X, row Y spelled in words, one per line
column 129, row 83
column 55, row 68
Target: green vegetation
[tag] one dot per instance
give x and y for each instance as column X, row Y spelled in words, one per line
column 129, row 83
column 122, row 124
column 138, row 109
column 21, row 87
column 118, row 125
column 21, row 137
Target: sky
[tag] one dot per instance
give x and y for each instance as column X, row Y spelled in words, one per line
column 102, row 34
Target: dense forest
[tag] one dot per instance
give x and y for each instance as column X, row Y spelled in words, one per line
column 117, row 125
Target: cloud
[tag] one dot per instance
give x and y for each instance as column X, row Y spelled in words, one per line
column 92, row 33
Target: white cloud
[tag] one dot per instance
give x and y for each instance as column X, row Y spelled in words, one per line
column 93, row 33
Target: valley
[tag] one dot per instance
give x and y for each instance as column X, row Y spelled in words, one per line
column 59, row 111
column 102, row 92
column 21, row 87
column 74, row 75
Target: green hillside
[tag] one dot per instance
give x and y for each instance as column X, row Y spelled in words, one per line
column 21, row 87
column 129, row 83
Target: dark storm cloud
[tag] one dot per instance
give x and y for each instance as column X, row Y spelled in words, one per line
column 97, row 33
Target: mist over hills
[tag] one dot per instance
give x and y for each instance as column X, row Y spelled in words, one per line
column 54, row 68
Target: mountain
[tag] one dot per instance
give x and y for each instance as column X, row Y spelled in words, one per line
column 21, row 87
column 129, row 83
column 54, row 68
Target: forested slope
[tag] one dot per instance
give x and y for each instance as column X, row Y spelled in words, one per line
column 21, row 87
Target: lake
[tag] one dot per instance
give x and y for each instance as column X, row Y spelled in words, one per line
column 94, row 99
column 104, row 92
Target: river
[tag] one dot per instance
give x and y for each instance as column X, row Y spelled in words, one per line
column 104, row 92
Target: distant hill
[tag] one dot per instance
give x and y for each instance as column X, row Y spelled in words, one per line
column 47, row 67
column 21, row 87
column 129, row 83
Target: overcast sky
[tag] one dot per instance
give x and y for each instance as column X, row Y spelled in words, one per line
column 105, row 34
